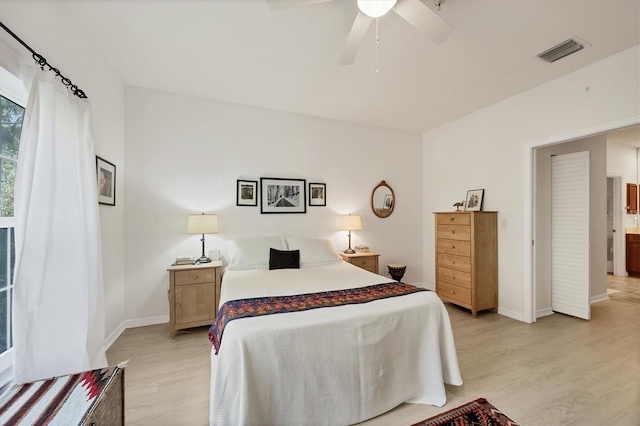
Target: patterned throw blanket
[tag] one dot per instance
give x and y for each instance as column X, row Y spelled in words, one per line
column 243, row 308
column 65, row 400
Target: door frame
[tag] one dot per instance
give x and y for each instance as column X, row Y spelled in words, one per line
column 529, row 201
column 619, row 261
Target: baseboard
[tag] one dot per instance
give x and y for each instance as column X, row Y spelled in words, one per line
column 544, row 312
column 599, row 298
column 140, row 322
column 518, row 316
column 114, row 335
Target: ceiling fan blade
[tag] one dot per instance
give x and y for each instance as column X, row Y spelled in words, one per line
column 285, row 4
column 424, row 20
column 354, row 40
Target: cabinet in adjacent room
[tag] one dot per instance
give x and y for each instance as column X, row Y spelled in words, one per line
column 633, row 254
column 467, row 259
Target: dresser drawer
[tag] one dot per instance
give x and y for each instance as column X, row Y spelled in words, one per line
column 455, row 292
column 195, row 276
column 454, row 219
column 451, row 261
column 368, row 263
column 461, row 248
column 455, row 232
column 454, row 277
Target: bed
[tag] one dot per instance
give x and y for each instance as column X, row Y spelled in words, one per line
column 332, row 365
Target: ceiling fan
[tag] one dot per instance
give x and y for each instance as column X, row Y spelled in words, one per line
column 414, row 12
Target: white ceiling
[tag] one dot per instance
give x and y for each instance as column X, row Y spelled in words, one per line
column 242, row 51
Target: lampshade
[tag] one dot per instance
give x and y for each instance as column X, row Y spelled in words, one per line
column 375, row 8
column 350, row 223
column 202, row 224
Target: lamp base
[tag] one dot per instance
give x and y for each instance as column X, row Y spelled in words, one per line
column 203, row 259
column 349, row 251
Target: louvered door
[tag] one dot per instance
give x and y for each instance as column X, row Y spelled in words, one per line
column 570, row 276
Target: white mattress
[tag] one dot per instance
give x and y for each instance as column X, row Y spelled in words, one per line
column 335, row 365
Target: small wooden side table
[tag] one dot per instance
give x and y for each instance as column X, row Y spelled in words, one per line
column 194, row 294
column 368, row 261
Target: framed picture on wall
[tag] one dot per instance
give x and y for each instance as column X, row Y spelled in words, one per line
column 283, row 195
column 474, row 200
column 317, row 194
column 247, row 193
column 106, row 179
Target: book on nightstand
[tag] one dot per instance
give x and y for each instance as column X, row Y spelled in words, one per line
column 361, row 249
column 185, row 260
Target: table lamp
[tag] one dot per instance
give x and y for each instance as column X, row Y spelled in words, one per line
column 350, row 223
column 202, row 224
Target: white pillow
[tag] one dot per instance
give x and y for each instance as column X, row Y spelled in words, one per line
column 313, row 250
column 252, row 253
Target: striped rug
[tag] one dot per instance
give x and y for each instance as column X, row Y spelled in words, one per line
column 64, row 400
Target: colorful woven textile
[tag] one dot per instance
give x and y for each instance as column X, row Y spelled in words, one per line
column 254, row 307
column 475, row 413
column 64, row 400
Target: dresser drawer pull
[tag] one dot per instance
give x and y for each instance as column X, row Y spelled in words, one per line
column 453, row 262
column 452, row 219
column 453, row 247
column 453, row 291
column 453, row 232
column 195, row 277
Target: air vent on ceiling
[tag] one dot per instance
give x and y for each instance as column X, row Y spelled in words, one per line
column 561, row 50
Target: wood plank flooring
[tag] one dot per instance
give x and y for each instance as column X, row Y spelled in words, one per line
column 558, row 371
column 624, row 289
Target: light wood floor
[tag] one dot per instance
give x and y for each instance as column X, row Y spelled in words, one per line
column 558, row 371
column 624, row 289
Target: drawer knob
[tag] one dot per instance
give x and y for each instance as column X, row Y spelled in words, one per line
column 453, row 232
column 453, row 262
column 453, row 247
column 195, row 277
column 454, row 277
column 451, row 219
column 454, row 292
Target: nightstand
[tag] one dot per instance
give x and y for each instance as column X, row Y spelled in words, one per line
column 368, row 261
column 194, row 294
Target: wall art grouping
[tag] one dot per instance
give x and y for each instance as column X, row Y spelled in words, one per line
column 280, row 195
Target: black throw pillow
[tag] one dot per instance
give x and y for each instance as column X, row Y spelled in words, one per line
column 284, row 259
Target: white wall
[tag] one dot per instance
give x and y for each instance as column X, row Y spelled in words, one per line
column 52, row 30
column 184, row 155
column 621, row 161
column 489, row 149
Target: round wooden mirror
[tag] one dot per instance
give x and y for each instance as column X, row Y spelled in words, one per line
column 383, row 200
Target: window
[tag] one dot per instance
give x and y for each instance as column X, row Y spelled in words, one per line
column 11, row 116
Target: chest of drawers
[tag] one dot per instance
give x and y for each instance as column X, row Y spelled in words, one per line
column 467, row 259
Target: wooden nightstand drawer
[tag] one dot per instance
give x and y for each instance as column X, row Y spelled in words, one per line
column 454, row 277
column 451, row 261
column 195, row 276
column 367, row 263
column 455, row 232
column 455, row 292
column 461, row 248
column 454, row 219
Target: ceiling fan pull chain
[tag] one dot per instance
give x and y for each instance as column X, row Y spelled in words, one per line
column 377, row 47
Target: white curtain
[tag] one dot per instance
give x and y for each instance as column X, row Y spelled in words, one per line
column 58, row 308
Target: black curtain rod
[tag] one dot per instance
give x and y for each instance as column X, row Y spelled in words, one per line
column 42, row 62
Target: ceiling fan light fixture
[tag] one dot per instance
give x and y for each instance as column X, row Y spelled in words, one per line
column 375, row 8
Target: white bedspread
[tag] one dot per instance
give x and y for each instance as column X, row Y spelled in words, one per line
column 336, row 365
